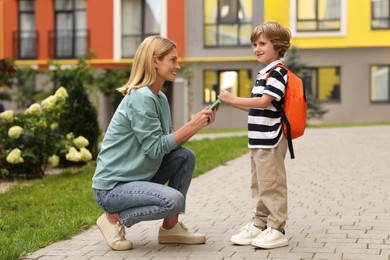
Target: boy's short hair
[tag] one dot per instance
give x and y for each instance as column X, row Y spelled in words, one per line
column 276, row 33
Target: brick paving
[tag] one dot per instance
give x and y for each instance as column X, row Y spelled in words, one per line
column 339, row 206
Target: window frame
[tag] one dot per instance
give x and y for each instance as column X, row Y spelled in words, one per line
column 218, row 24
column 372, row 18
column 388, row 84
column 305, row 34
column 143, row 33
column 317, row 86
column 20, row 37
column 74, row 36
column 219, row 71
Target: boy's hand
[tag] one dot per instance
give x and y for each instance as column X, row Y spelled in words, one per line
column 226, row 97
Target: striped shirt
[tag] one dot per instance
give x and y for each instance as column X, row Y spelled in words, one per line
column 265, row 124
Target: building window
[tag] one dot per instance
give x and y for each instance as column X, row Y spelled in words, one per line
column 380, row 14
column 322, row 83
column 380, row 84
column 71, row 34
column 318, row 15
column 140, row 19
column 227, row 22
column 237, row 82
column 26, row 37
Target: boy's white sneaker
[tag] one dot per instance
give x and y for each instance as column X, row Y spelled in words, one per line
column 246, row 235
column 270, row 238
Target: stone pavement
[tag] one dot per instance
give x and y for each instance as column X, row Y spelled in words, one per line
column 339, row 206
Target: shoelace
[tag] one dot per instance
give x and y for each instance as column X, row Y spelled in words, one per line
column 120, row 232
column 265, row 232
column 246, row 228
column 183, row 227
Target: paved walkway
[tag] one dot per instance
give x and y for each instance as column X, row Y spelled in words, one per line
column 339, row 206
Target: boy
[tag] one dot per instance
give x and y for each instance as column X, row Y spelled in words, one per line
column 267, row 144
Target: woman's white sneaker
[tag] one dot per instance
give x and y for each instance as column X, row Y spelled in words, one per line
column 246, row 235
column 270, row 238
column 180, row 234
column 115, row 235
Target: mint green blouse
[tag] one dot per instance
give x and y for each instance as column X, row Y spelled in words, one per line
column 138, row 136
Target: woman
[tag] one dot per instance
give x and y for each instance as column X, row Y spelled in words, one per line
column 140, row 154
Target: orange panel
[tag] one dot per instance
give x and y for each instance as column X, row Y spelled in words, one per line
column 101, row 27
column 10, row 25
column 44, row 22
column 1, row 29
column 176, row 24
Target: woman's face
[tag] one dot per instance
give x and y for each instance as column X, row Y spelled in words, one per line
column 168, row 66
column 264, row 50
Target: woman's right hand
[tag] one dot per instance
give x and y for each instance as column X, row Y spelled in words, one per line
column 203, row 118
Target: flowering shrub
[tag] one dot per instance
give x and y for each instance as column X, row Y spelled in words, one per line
column 32, row 140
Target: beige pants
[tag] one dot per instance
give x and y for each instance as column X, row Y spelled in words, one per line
column 269, row 186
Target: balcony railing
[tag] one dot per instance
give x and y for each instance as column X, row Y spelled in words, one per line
column 25, row 45
column 68, row 44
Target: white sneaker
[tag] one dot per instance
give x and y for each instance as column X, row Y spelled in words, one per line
column 180, row 234
column 115, row 235
column 270, row 238
column 246, row 235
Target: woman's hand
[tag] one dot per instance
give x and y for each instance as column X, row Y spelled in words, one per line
column 204, row 118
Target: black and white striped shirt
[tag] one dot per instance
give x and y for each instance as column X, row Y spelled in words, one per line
column 264, row 125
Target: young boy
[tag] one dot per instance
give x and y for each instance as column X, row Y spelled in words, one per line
column 267, row 144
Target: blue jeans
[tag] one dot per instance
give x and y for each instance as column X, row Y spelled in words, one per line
column 138, row 201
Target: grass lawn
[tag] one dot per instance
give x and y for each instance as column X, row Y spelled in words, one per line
column 34, row 214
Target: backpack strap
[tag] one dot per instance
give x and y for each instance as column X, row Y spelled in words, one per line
column 280, row 110
column 278, row 106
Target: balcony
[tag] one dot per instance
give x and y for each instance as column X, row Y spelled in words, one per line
column 25, row 45
column 68, row 44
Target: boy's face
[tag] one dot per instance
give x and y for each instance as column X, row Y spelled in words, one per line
column 264, row 50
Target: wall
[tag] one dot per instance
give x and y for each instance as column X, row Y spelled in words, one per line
column 1, row 29
column 100, row 24
column 355, row 106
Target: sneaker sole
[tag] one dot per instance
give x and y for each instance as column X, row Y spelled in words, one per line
column 182, row 240
column 276, row 244
column 241, row 243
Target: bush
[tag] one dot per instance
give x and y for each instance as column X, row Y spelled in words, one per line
column 31, row 141
column 80, row 116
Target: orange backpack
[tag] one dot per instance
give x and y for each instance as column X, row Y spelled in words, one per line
column 293, row 111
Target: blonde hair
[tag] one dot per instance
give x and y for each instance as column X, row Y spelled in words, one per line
column 143, row 72
column 276, row 33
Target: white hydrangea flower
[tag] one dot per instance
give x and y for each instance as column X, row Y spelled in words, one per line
column 69, row 136
column 15, row 132
column 53, row 160
column 34, row 109
column 61, row 93
column 73, row 155
column 81, row 141
column 8, row 116
column 85, row 154
column 15, row 156
column 54, row 126
column 49, row 102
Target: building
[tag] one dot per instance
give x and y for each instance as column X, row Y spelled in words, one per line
column 343, row 43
